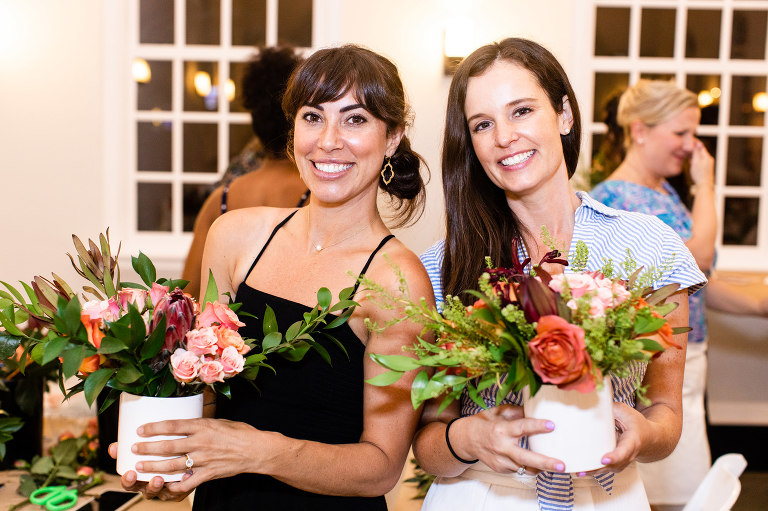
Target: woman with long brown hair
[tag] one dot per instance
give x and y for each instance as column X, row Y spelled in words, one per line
column 511, row 143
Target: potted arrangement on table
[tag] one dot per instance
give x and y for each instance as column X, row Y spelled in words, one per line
column 150, row 344
column 555, row 338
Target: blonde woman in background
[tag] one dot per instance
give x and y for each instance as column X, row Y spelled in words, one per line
column 660, row 121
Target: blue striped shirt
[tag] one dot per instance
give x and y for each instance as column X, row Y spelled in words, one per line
column 608, row 234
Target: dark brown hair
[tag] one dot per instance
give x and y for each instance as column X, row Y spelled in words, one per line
column 327, row 75
column 479, row 221
column 263, row 85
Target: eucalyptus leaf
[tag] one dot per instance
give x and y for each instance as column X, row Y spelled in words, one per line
column 293, row 331
column 296, row 352
column 346, row 293
column 384, row 379
column 339, row 320
column 324, row 297
column 270, row 321
column 651, row 345
column 399, row 363
column 322, row 351
column 418, row 385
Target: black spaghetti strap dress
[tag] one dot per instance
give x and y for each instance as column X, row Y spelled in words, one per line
column 307, row 400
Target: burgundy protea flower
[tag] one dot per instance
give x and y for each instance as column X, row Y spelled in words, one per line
column 537, row 299
column 178, row 309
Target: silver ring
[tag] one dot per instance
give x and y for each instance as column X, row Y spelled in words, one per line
column 521, row 470
column 189, row 462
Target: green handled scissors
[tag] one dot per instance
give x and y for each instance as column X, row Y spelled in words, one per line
column 54, row 498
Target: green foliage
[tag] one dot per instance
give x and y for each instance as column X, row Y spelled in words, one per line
column 133, row 351
column 63, row 466
column 8, row 426
column 487, row 344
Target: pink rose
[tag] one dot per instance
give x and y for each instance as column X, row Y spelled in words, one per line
column 559, row 355
column 185, row 365
column 202, row 341
column 157, row 292
column 101, row 309
column 620, row 292
column 232, row 361
column 578, row 283
column 211, row 371
column 137, row 297
column 229, row 337
column 217, row 313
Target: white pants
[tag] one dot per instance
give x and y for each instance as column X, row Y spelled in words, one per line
column 479, row 488
column 673, row 480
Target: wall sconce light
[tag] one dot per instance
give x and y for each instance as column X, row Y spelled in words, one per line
column 141, row 71
column 458, row 38
column 760, row 102
column 202, row 82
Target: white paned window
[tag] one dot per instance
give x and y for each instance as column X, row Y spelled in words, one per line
column 717, row 49
column 174, row 106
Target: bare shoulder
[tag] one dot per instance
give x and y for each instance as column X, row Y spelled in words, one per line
column 394, row 261
column 239, row 230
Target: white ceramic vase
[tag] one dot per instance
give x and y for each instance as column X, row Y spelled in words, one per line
column 138, row 410
column 584, row 425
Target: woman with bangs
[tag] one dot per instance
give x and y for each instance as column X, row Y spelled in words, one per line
column 313, row 436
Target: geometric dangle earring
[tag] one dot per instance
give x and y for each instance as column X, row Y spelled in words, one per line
column 387, row 170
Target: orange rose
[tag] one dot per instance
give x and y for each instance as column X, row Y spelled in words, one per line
column 90, row 364
column 93, row 327
column 559, row 355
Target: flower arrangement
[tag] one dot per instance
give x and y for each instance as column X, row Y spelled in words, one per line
column 531, row 328
column 148, row 339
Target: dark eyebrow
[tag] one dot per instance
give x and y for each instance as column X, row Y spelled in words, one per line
column 352, row 107
column 510, row 104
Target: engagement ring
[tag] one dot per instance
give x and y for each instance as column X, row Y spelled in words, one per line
column 191, row 463
column 521, row 470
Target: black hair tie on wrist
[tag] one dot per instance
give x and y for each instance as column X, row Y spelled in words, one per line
column 448, row 443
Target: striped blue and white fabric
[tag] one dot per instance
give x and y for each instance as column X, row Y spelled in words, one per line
column 608, row 234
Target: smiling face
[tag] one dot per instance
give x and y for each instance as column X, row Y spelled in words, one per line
column 667, row 145
column 515, row 131
column 339, row 147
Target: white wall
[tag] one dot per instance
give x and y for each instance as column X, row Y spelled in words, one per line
column 53, row 85
column 50, row 134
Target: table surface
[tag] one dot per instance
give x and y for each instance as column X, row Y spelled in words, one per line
column 10, row 480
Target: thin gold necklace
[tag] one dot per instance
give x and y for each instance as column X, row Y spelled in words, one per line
column 319, row 247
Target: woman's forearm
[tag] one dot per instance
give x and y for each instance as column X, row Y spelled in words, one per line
column 704, row 229
column 361, row 469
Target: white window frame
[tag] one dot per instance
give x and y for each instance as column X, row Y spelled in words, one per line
column 121, row 25
column 730, row 257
